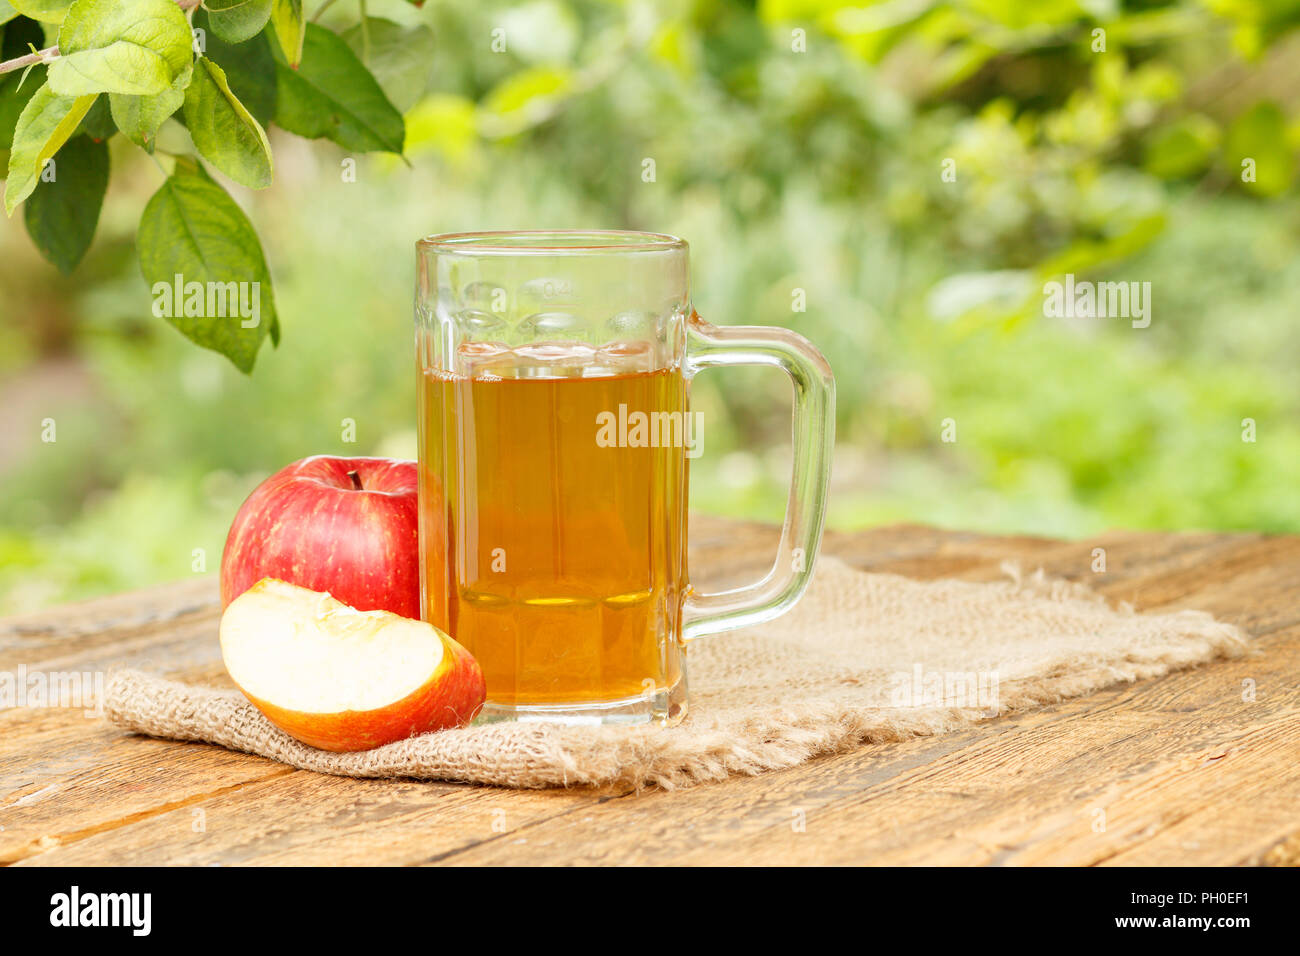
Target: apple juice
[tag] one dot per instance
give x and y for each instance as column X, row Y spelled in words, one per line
column 554, row 536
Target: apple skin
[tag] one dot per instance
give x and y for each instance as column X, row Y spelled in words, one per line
column 451, row 697
column 309, row 525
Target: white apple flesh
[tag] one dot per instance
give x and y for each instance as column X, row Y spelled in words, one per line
column 342, row 679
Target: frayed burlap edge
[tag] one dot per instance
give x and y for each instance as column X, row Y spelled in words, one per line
column 702, row 749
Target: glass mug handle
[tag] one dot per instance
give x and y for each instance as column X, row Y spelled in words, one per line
column 708, row 346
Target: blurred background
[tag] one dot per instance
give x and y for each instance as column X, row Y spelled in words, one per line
column 894, row 180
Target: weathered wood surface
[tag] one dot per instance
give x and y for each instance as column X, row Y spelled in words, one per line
column 1187, row 769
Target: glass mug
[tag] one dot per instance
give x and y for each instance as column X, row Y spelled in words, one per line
column 555, row 432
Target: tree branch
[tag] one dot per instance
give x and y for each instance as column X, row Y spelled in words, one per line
column 40, row 56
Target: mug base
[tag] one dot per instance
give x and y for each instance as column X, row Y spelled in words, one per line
column 664, row 706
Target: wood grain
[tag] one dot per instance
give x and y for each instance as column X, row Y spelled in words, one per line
column 1200, row 767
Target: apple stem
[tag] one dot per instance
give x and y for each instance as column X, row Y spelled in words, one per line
column 356, row 480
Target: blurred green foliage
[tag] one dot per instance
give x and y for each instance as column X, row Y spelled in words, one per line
column 918, row 169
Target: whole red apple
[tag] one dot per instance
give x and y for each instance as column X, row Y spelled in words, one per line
column 343, row 525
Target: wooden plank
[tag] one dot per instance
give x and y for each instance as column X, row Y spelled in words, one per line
column 1008, row 791
column 172, row 630
column 298, row 818
column 1022, row 790
column 102, row 619
column 110, row 781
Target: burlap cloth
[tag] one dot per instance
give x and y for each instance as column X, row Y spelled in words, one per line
column 862, row 658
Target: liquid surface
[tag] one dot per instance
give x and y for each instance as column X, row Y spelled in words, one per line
column 555, row 556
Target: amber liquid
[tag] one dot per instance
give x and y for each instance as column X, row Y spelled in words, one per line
column 558, row 562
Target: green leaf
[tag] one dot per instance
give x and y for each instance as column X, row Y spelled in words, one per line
column 47, row 11
column 61, row 215
column 249, row 66
column 139, row 117
column 13, row 93
column 443, row 122
column 108, row 46
column 1257, row 142
column 192, row 229
column 524, row 92
column 225, row 133
column 332, row 95
column 1183, row 148
column 525, row 99
column 237, row 20
column 45, row 124
column 400, row 59
column 290, row 29
column 7, row 12
column 98, row 123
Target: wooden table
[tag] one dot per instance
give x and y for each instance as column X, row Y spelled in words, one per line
column 1193, row 768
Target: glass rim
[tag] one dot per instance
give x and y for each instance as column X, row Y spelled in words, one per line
column 550, row 242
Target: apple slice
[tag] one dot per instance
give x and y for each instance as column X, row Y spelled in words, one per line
column 342, row 679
